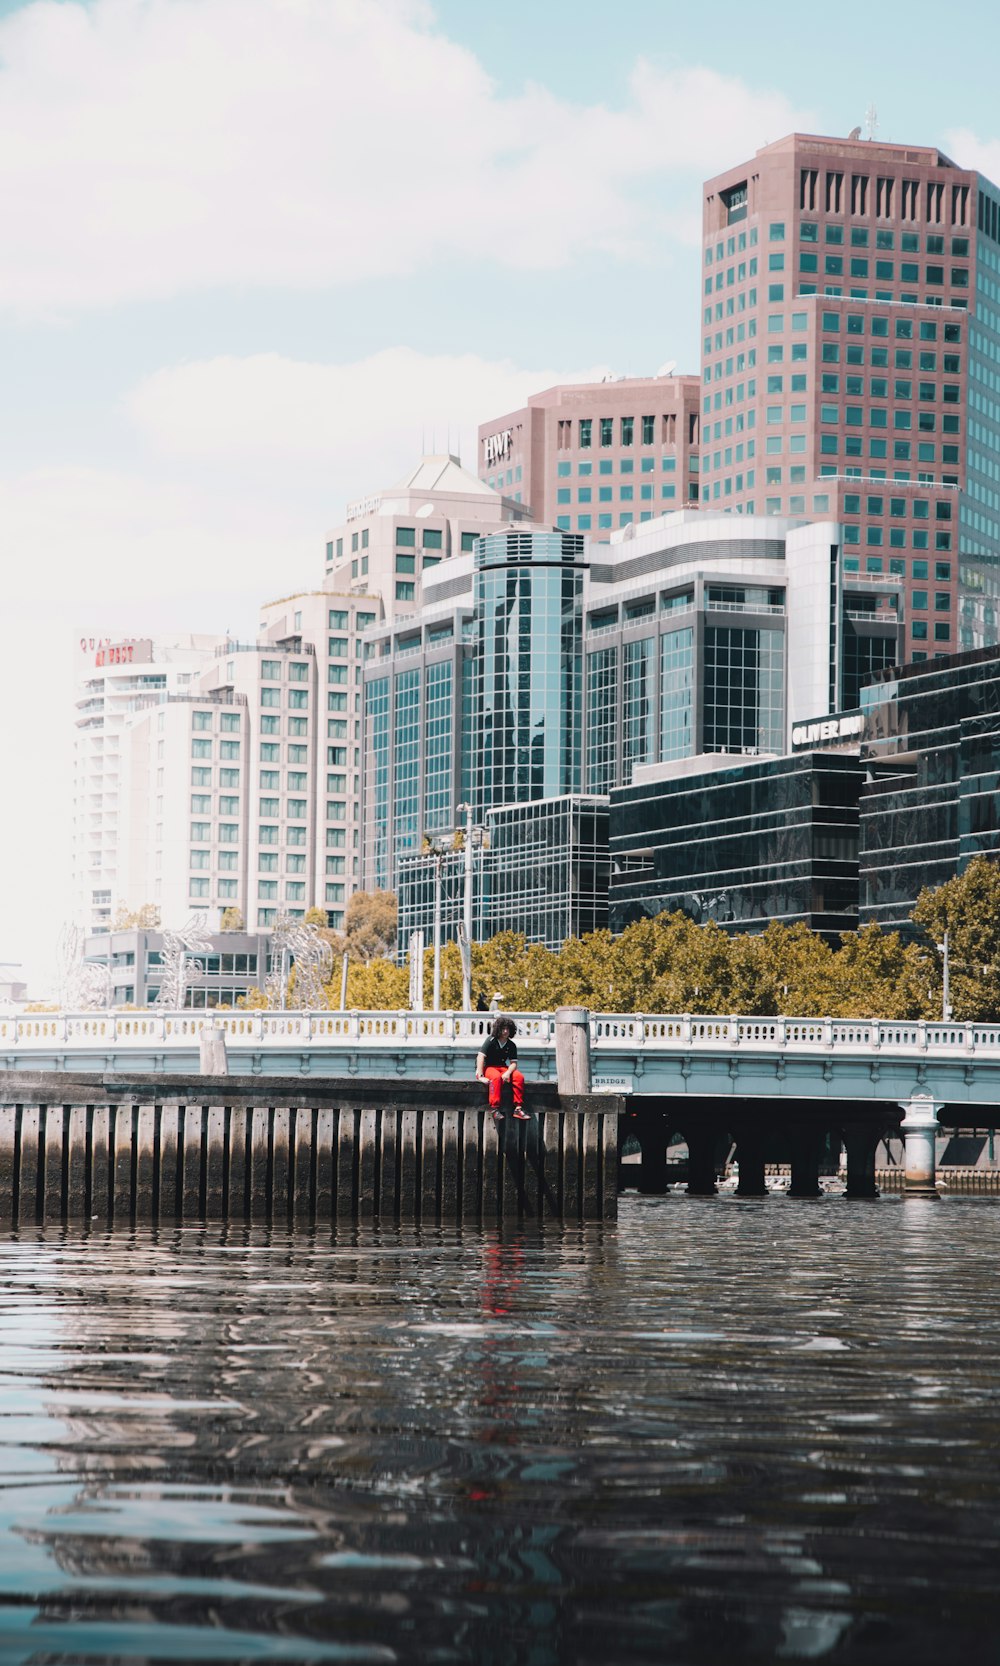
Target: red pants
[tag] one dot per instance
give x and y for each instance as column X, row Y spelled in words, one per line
column 494, row 1075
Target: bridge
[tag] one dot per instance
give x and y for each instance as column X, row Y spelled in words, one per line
column 642, row 1054
column 799, row 1084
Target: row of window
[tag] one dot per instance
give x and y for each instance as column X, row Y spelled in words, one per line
column 644, row 430
column 897, row 539
column 229, row 722
column 297, row 697
column 605, row 494
column 906, row 329
column 626, row 465
column 203, row 748
column 876, row 416
column 859, row 266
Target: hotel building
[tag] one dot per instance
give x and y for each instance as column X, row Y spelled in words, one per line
column 114, row 678
column 851, row 361
column 389, row 540
column 593, row 457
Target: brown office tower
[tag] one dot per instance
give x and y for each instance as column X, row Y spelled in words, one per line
column 851, row 366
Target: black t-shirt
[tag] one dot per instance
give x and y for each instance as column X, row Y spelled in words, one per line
column 498, row 1053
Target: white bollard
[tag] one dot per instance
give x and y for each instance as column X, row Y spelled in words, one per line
column 919, row 1128
column 573, row 1050
column 214, row 1060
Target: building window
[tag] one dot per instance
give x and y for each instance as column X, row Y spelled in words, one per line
column 627, row 428
column 607, row 430
column 586, row 429
column 405, row 592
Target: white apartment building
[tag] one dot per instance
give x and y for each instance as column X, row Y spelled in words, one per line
column 244, row 792
column 112, row 680
column 238, row 779
column 389, row 540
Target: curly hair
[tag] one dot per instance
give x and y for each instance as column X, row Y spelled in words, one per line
column 501, row 1021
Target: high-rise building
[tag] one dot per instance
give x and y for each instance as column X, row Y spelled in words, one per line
column 595, row 456
column 113, row 679
column 390, row 539
column 244, row 791
column 546, row 671
column 850, row 353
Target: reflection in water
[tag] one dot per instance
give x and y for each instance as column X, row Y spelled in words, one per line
column 737, row 1431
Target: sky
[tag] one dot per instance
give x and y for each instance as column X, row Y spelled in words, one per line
column 257, row 253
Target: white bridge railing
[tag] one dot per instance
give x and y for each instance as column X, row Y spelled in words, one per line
column 610, row 1032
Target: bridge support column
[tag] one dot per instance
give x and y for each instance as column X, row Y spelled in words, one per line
column 701, row 1163
column 750, row 1156
column 861, row 1143
column 806, row 1142
column 919, row 1129
column 653, row 1136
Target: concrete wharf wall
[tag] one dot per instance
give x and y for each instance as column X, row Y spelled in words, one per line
column 166, row 1149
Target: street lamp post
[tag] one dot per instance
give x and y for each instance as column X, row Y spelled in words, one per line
column 438, row 859
column 467, row 912
column 942, row 949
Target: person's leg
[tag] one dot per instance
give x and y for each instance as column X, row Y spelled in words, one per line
column 517, row 1083
column 493, row 1076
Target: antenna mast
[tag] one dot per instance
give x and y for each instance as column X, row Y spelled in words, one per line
column 871, row 121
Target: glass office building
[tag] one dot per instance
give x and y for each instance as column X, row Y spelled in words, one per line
column 542, row 677
column 931, row 801
column 528, row 667
column 740, row 843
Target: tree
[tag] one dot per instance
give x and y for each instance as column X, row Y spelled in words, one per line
column 146, row 918
column 968, row 909
column 315, row 917
column 370, row 925
column 232, row 920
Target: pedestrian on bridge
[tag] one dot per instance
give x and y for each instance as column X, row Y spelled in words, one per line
column 497, row 1064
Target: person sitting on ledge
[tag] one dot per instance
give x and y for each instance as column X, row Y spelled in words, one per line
column 497, row 1063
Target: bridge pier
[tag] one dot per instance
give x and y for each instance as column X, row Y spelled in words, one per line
column 861, row 1143
column 750, row 1157
column 806, row 1140
column 701, row 1162
column 653, row 1134
column 919, row 1128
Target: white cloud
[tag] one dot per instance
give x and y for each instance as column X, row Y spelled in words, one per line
column 969, row 151
column 152, row 147
column 365, row 421
column 93, row 538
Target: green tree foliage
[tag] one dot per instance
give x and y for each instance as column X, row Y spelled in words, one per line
column 370, row 925
column 968, row 908
column 669, row 964
column 315, row 917
column 232, row 920
column 146, row 918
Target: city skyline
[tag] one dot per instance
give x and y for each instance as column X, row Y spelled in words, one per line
column 173, row 450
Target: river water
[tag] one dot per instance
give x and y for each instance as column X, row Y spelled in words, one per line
column 714, row 1431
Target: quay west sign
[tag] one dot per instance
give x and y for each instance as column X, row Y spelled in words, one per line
column 849, row 727
column 497, row 447
column 107, row 652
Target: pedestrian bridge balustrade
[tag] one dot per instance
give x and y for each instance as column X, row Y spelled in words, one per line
column 638, row 1053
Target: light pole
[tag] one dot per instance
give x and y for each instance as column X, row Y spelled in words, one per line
column 942, row 949
column 438, row 859
column 467, row 912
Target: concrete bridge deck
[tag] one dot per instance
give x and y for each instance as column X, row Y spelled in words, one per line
column 646, row 1055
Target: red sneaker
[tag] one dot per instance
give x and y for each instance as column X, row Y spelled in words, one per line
column 522, row 1116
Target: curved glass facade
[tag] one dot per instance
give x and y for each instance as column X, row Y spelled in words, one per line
column 529, row 667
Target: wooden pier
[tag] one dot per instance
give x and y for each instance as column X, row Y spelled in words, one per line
column 167, row 1149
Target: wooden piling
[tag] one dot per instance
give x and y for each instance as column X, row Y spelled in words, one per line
column 210, row 1148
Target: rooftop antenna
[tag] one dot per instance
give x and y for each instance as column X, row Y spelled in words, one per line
column 871, row 121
